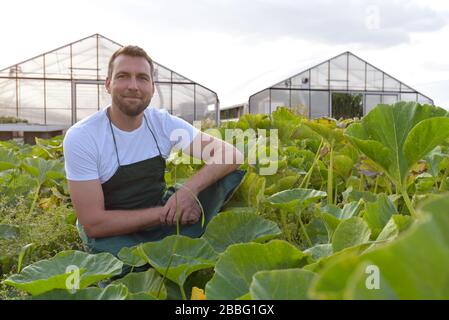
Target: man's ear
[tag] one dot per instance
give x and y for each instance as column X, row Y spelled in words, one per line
column 107, row 85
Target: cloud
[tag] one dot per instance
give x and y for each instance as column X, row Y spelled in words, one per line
column 372, row 23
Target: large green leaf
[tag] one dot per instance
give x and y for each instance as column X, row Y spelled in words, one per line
column 54, row 273
column 290, row 199
column 320, row 251
column 148, row 283
column 397, row 136
column 350, row 232
column 288, row 284
column 179, row 256
column 327, row 129
column 8, row 159
column 111, row 292
column 237, row 265
column 433, row 160
column 131, row 256
column 378, row 213
column 414, row 266
column 286, row 122
column 43, row 169
column 238, row 227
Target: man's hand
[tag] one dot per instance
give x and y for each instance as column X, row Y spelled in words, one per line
column 185, row 204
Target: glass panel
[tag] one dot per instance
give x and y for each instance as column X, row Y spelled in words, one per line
column 7, row 112
column 280, row 98
column 356, row 75
column 424, row 100
column 86, row 100
column 8, row 97
column 320, row 104
column 391, row 84
column 405, row 88
column 183, row 102
column 105, row 50
column 9, row 72
column 162, row 97
column 409, row 97
column 338, row 72
column 319, row 76
column 161, row 73
column 32, row 68
column 206, row 104
column 31, row 100
column 33, row 115
column 301, row 81
column 105, row 97
column 57, row 64
column 283, row 84
column 84, row 59
column 389, row 99
column 178, row 78
column 59, row 116
column 260, row 102
column 300, row 102
column 371, row 100
column 373, row 78
column 59, row 102
column 347, row 105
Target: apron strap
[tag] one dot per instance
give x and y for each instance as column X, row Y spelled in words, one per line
column 115, row 143
column 160, row 153
column 113, row 137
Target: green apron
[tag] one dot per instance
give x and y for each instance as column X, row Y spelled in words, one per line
column 142, row 185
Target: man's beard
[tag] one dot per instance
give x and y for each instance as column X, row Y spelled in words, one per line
column 132, row 110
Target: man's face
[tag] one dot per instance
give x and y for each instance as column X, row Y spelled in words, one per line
column 131, row 84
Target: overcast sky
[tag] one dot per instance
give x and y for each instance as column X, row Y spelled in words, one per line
column 237, row 48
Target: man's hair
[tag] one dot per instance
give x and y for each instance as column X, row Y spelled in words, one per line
column 132, row 51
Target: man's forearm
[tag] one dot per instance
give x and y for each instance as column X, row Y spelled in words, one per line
column 207, row 175
column 119, row 222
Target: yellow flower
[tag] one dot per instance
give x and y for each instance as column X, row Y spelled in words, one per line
column 197, row 294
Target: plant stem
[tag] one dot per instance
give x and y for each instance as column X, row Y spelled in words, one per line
column 408, row 202
column 376, row 184
column 183, row 293
column 36, row 195
column 285, row 226
column 361, row 183
column 306, row 179
column 443, row 179
column 330, row 175
column 303, row 229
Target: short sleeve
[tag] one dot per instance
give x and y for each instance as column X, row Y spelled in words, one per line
column 80, row 161
column 179, row 132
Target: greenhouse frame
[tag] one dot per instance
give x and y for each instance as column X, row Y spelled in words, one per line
column 65, row 85
column 345, row 86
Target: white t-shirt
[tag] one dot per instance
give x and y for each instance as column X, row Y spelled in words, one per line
column 89, row 151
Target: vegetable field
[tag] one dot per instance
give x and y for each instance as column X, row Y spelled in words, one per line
column 357, row 209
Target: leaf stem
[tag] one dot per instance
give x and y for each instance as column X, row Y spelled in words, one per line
column 330, row 175
column 408, row 202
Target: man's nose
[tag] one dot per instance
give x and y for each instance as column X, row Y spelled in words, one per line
column 132, row 84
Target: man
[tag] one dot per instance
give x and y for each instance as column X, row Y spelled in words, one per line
column 115, row 165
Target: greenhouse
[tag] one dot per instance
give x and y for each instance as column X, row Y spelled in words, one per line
column 342, row 87
column 66, row 85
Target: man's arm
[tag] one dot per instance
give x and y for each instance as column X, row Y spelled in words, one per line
column 218, row 162
column 215, row 153
column 88, row 201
